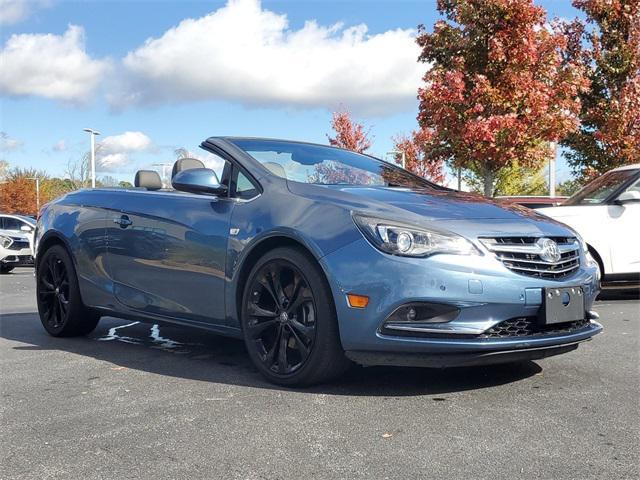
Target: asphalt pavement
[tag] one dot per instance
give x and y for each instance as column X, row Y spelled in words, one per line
column 141, row 401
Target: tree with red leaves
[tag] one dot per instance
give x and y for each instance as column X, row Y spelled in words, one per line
column 415, row 150
column 499, row 89
column 609, row 135
column 349, row 134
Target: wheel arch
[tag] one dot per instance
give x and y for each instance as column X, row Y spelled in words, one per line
column 47, row 241
column 257, row 250
column 594, row 253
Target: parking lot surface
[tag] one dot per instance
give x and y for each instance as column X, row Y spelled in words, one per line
column 142, row 401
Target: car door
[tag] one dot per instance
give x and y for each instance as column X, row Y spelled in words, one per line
column 624, row 219
column 167, row 253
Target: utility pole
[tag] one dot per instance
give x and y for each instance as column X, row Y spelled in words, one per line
column 93, row 133
column 552, row 170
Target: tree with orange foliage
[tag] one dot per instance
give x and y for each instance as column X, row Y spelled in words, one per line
column 18, row 192
column 415, row 154
column 609, row 135
column 499, row 89
column 349, row 134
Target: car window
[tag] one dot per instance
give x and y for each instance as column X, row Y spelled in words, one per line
column 11, row 223
column 244, row 188
column 601, row 188
column 323, row 165
column 635, row 187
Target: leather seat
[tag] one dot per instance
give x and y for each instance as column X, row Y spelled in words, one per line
column 149, row 179
column 185, row 164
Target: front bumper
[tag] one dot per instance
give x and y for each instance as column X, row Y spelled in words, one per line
column 18, row 259
column 485, row 291
column 457, row 359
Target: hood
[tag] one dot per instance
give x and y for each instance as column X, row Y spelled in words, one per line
column 441, row 205
column 566, row 211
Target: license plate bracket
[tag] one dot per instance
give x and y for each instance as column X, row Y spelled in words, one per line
column 561, row 305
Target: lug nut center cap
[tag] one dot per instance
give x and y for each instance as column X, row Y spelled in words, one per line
column 284, row 317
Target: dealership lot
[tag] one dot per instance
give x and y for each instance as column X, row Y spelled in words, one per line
column 141, row 401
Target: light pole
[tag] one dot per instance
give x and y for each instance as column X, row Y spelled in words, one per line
column 552, row 170
column 93, row 134
column 37, row 179
column 399, row 152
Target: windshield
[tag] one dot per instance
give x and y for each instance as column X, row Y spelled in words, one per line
column 322, row 165
column 601, row 188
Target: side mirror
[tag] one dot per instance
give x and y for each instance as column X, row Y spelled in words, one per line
column 628, row 196
column 198, row 180
column 25, row 228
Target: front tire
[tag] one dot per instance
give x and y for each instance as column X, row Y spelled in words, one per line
column 61, row 310
column 6, row 269
column 289, row 322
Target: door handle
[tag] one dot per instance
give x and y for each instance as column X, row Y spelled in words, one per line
column 123, row 221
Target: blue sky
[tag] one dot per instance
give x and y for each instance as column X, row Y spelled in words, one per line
column 275, row 68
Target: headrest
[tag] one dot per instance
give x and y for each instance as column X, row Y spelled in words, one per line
column 275, row 168
column 149, row 179
column 186, row 164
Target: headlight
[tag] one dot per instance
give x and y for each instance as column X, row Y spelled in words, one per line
column 5, row 241
column 410, row 241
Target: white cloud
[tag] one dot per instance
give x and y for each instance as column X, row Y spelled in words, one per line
column 14, row 11
column 50, row 66
column 244, row 53
column 114, row 152
column 59, row 146
column 8, row 144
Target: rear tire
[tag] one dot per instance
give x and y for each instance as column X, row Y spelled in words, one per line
column 289, row 322
column 61, row 310
column 6, row 269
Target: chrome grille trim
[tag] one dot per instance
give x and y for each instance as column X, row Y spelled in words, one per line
column 522, row 255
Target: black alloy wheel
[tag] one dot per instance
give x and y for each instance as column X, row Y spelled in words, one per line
column 289, row 322
column 53, row 291
column 61, row 310
column 281, row 317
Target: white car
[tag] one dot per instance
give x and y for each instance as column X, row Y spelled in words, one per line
column 12, row 224
column 606, row 214
column 15, row 251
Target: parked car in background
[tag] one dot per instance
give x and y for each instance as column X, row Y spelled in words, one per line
column 533, row 201
column 606, row 213
column 15, row 251
column 315, row 256
column 12, row 224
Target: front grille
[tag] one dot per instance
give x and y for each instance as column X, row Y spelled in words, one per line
column 529, row 326
column 522, row 255
column 18, row 244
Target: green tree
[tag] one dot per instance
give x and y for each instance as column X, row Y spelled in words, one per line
column 512, row 180
column 569, row 187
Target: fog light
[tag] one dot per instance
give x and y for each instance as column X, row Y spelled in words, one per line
column 357, row 301
column 424, row 313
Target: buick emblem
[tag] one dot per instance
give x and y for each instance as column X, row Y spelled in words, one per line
column 549, row 251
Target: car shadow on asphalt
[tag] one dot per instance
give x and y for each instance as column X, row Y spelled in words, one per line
column 200, row 355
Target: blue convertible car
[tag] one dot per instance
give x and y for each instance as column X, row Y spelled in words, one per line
column 317, row 257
